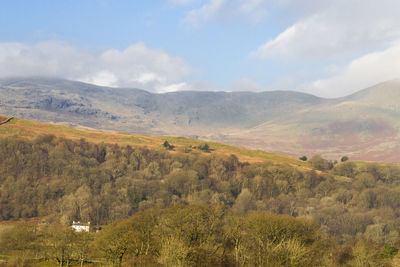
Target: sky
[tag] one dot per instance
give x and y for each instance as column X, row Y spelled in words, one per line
column 329, row 48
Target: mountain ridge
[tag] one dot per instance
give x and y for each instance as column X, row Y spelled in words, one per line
column 363, row 125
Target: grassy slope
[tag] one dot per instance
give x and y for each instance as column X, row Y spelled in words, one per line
column 30, row 129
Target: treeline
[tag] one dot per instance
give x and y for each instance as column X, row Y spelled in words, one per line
column 192, row 235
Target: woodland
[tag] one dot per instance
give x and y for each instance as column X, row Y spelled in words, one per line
column 161, row 207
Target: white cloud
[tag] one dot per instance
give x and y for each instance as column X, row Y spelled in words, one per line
column 46, row 58
column 354, row 43
column 136, row 66
column 103, row 78
column 214, row 9
column 174, row 87
column 339, row 28
column 359, row 74
column 208, row 11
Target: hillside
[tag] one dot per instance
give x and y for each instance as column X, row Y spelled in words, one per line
column 31, row 129
column 153, row 200
column 363, row 126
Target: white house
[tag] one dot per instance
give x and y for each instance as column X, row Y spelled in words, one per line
column 80, row 227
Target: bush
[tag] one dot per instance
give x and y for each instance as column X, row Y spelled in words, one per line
column 204, row 147
column 168, row 146
column 344, row 158
column 303, row 158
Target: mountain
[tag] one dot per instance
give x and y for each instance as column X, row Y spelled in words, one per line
column 364, row 125
column 141, row 109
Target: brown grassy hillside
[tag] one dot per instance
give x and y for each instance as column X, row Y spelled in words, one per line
column 31, row 129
